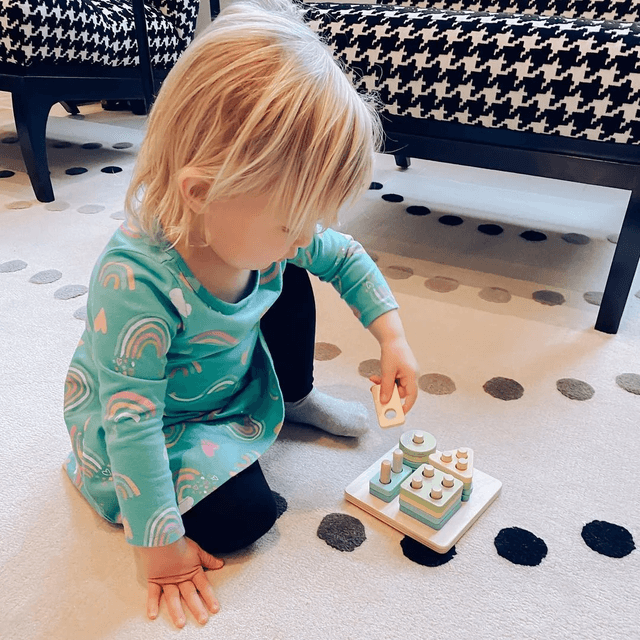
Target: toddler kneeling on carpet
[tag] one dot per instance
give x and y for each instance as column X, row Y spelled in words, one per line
column 180, row 381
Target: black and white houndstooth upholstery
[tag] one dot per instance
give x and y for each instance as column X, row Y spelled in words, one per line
column 619, row 10
column 92, row 31
column 544, row 74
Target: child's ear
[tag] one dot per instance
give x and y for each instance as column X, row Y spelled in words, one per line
column 193, row 190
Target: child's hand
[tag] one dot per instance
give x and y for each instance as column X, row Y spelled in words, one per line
column 176, row 570
column 398, row 365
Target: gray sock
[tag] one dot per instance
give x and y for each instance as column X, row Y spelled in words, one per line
column 339, row 417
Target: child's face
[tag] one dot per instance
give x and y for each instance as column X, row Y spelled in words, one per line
column 245, row 234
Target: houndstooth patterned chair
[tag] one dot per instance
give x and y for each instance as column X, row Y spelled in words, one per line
column 527, row 86
column 83, row 50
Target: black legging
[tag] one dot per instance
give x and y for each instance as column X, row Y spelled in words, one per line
column 243, row 509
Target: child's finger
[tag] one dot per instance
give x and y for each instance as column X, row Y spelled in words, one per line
column 153, row 600
column 209, row 561
column 410, row 397
column 172, row 597
column 206, row 592
column 190, row 595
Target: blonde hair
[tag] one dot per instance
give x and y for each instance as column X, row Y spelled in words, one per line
column 256, row 105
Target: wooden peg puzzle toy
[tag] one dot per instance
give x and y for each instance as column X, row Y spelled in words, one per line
column 390, row 414
column 423, row 492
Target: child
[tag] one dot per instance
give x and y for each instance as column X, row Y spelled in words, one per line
column 255, row 139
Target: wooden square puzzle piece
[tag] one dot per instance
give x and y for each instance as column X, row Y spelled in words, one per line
column 390, row 414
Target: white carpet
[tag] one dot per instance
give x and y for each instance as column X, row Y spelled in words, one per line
column 562, row 462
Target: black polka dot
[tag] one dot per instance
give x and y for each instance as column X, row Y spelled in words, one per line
column 61, row 144
column 281, row 503
column 450, row 221
column 76, row 171
column 504, row 389
column 490, row 229
column 375, row 186
column 608, row 539
column 421, row 554
column 418, row 210
column 548, row 298
column 111, row 169
column 520, row 547
column 7, row 174
column 10, row 140
column 533, row 236
column 122, row 145
column 392, row 197
column 341, row 531
column 92, row 145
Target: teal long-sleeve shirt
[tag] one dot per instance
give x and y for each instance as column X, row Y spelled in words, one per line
column 172, row 391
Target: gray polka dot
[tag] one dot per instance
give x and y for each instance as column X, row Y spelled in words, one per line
column 629, row 382
column 341, row 531
column 504, row 389
column 549, row 298
column 368, row 368
column 436, row 384
column 613, row 238
column 70, row 291
column 593, row 297
column 12, row 265
column 117, row 215
column 61, row 144
column 495, row 294
column 58, row 205
column 442, row 284
column 637, row 294
column 326, row 351
column 46, row 277
column 398, row 273
column 575, row 389
column 90, row 208
column 576, row 238
column 122, row 145
column 18, row 204
column 81, row 313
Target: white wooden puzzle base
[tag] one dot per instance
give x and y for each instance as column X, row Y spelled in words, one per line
column 485, row 491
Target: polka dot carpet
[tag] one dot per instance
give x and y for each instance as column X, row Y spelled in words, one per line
column 502, row 370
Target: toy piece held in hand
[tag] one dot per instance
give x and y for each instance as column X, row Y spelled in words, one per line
column 390, row 414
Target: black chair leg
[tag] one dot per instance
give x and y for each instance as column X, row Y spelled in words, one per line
column 30, row 114
column 623, row 269
column 402, row 161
